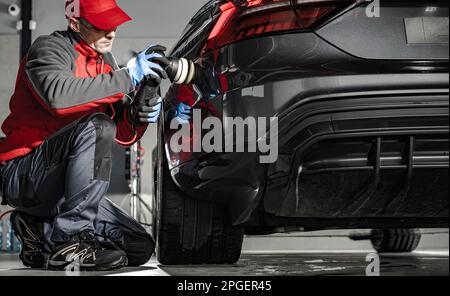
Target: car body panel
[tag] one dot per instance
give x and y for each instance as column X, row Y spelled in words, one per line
column 403, row 30
column 336, row 108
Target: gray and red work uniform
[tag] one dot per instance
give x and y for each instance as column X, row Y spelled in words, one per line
column 66, row 112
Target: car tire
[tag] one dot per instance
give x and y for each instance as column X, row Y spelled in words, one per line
column 395, row 240
column 191, row 231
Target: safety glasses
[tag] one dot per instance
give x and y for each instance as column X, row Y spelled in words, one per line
column 91, row 27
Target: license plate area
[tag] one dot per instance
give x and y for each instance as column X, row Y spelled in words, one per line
column 427, row 30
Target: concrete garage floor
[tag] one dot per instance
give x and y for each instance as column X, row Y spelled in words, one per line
column 316, row 253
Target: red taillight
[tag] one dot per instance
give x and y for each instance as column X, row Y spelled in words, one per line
column 227, row 11
column 310, row 15
column 252, row 18
column 311, row 12
column 256, row 17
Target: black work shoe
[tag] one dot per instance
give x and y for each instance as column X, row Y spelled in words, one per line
column 29, row 232
column 139, row 247
column 84, row 252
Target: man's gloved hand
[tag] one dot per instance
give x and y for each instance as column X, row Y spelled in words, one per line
column 144, row 66
column 183, row 113
column 149, row 113
column 146, row 106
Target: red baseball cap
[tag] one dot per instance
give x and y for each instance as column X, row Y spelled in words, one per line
column 102, row 14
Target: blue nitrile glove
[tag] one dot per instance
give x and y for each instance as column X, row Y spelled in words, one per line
column 143, row 65
column 183, row 113
column 150, row 114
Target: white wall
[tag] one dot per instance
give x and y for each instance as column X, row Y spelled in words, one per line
column 151, row 18
column 9, row 56
column 9, row 63
column 7, row 22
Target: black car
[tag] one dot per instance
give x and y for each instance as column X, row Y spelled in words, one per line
column 360, row 92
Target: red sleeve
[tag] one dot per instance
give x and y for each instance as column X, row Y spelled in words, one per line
column 127, row 133
column 49, row 72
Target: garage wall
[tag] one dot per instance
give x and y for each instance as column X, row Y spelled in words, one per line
column 151, row 18
column 9, row 56
column 8, row 22
column 9, row 61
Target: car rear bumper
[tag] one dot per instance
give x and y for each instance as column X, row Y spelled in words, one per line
column 336, row 152
column 340, row 106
